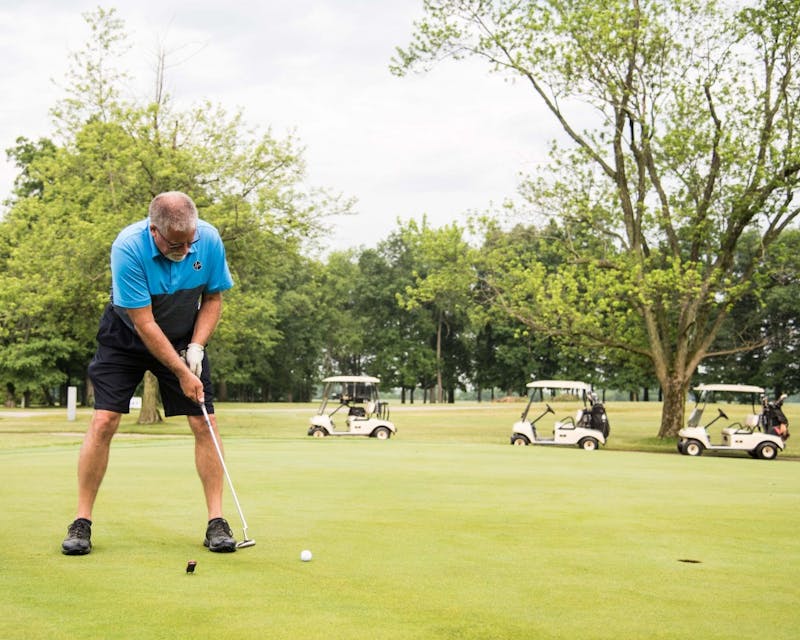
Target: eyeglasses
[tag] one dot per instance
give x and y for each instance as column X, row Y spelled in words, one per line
column 174, row 246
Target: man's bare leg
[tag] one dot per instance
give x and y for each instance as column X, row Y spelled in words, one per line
column 218, row 535
column 207, row 463
column 92, row 465
column 93, row 459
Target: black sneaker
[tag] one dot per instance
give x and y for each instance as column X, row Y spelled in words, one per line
column 79, row 538
column 219, row 536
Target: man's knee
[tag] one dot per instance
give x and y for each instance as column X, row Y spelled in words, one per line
column 198, row 426
column 105, row 423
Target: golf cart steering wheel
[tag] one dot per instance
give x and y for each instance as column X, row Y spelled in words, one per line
column 549, row 408
column 722, row 413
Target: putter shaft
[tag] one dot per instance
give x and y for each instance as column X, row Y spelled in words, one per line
column 246, row 542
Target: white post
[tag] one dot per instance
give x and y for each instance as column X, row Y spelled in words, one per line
column 72, row 402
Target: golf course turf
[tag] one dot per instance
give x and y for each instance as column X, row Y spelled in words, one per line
column 445, row 531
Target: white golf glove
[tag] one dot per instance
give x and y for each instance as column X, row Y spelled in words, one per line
column 194, row 358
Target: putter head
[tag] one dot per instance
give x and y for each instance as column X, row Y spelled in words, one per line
column 247, row 542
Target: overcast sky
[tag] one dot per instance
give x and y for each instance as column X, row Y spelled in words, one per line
column 442, row 144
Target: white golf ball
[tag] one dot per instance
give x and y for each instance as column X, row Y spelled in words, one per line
column 305, row 555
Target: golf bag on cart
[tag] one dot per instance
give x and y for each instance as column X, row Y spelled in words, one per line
column 595, row 417
column 772, row 416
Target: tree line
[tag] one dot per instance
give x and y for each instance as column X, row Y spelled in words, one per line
column 656, row 249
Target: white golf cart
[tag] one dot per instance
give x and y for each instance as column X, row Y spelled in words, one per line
column 361, row 410
column 587, row 429
column 753, row 435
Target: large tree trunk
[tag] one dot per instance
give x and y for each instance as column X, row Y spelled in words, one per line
column 674, row 407
column 11, row 396
column 149, row 413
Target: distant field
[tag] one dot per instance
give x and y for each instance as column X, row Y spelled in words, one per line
column 445, row 531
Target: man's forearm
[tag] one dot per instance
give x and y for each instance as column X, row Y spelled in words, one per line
column 161, row 348
column 156, row 342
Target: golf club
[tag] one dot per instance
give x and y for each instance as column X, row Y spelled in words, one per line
column 246, row 542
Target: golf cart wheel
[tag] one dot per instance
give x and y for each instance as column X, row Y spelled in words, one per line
column 766, row 451
column 319, row 432
column 382, row 433
column 693, row 448
column 680, row 446
column 588, row 444
column 519, row 440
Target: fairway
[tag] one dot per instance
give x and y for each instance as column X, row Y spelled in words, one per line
column 423, row 536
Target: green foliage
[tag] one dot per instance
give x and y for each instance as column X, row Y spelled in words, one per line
column 407, row 359
column 23, row 155
column 72, row 199
column 443, row 277
column 689, row 141
column 94, row 80
column 656, row 244
column 767, row 319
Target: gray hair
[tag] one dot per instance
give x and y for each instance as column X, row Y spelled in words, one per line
column 173, row 211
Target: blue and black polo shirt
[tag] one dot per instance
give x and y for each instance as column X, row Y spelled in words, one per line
column 141, row 276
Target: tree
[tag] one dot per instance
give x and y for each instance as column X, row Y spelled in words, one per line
column 689, row 141
column 769, row 315
column 400, row 338
column 56, row 241
column 94, row 78
column 149, row 413
column 780, row 370
column 516, row 352
column 443, row 276
column 73, row 197
column 341, row 287
column 66, row 198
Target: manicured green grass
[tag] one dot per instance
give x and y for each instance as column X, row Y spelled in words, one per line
column 445, row 531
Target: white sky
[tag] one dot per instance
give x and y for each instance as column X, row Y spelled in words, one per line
column 443, row 144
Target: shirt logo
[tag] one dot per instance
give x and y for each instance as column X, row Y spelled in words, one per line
column 197, row 265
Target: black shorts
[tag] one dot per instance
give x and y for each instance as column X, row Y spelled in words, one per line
column 120, row 362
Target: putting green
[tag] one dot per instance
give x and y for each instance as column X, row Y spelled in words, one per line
column 423, row 536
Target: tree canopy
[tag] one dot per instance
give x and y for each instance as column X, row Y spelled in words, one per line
column 107, row 160
column 658, row 243
column 679, row 122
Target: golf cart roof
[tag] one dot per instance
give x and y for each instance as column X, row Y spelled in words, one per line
column 352, row 379
column 733, row 388
column 559, row 384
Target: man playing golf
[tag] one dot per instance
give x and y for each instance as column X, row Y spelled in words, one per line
column 168, row 273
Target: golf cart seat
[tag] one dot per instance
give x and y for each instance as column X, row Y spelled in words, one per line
column 750, row 425
column 571, row 422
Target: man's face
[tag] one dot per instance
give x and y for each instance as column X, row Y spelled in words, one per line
column 173, row 245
